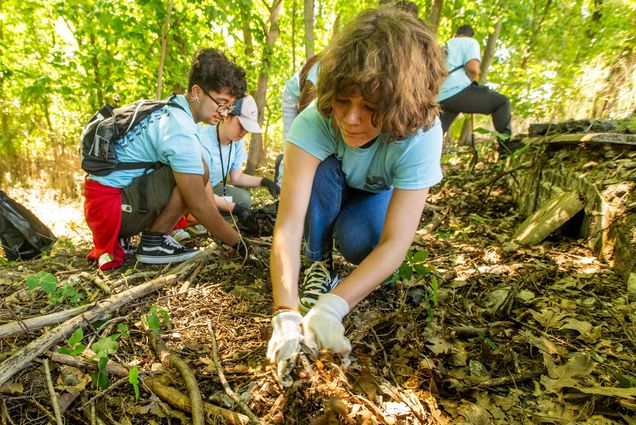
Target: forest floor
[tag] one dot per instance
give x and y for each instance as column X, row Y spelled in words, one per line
column 471, row 330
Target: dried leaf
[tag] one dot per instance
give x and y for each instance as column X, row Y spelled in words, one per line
column 588, row 332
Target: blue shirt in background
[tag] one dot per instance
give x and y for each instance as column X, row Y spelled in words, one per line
column 460, row 50
column 168, row 135
column 412, row 163
column 234, row 154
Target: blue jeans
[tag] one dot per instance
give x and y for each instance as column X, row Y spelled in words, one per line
column 353, row 217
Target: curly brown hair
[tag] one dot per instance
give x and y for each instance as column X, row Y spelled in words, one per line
column 394, row 60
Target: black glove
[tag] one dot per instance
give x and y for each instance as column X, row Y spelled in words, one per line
column 246, row 219
column 273, row 188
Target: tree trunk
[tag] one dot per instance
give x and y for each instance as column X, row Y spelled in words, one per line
column 3, row 114
column 247, row 31
column 466, row 137
column 336, row 26
column 256, row 155
column 293, row 37
column 435, row 14
column 309, row 28
column 534, row 34
column 618, row 76
column 164, row 46
column 98, row 80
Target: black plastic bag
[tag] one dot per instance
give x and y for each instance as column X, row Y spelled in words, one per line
column 22, row 235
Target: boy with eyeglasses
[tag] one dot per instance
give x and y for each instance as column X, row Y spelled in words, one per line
column 151, row 201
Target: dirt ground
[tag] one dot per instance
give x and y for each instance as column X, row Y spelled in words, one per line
column 470, row 330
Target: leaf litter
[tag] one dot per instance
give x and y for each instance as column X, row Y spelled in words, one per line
column 504, row 335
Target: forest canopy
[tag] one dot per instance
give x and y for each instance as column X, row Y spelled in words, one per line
column 61, row 60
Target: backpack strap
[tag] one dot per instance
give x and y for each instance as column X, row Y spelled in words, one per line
column 455, row 69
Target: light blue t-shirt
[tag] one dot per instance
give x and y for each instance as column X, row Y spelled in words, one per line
column 233, row 154
column 168, row 135
column 412, row 163
column 291, row 96
column 460, row 50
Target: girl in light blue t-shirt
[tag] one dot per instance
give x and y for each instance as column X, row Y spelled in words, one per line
column 358, row 166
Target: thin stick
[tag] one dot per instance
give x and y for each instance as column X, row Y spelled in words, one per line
column 226, row 385
column 54, row 403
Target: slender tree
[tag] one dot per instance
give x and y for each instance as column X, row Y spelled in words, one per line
column 309, row 28
column 256, row 155
column 435, row 14
column 164, row 46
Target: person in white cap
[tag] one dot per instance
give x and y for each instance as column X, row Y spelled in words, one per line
column 225, row 153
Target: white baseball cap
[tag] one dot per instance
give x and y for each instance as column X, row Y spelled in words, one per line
column 247, row 112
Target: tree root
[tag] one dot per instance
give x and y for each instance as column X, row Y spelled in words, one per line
column 169, row 359
column 166, row 393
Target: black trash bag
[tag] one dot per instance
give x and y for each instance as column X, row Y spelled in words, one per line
column 264, row 218
column 22, row 235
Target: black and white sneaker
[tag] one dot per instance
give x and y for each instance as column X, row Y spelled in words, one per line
column 319, row 279
column 157, row 248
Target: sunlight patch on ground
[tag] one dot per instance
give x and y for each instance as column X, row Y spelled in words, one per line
column 65, row 218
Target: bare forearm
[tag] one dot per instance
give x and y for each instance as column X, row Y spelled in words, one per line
column 245, row 180
column 284, row 268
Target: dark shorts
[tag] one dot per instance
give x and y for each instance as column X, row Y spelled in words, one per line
column 144, row 199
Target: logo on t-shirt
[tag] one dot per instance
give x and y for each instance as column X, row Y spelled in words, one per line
column 375, row 184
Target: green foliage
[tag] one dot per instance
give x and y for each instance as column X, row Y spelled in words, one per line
column 74, row 347
column 60, row 60
column 103, row 348
column 48, row 283
column 413, row 265
column 133, row 378
column 493, row 133
column 155, row 318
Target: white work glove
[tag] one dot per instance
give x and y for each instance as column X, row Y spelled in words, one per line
column 284, row 345
column 323, row 327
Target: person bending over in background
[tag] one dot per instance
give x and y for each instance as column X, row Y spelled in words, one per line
column 461, row 91
column 225, row 153
column 299, row 92
column 127, row 202
column 358, row 165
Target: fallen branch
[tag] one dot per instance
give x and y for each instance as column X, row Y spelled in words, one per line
column 100, row 311
column 21, row 326
column 169, row 359
column 168, row 394
column 180, row 401
column 226, row 385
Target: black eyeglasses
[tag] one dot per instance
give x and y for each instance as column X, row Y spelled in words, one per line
column 220, row 107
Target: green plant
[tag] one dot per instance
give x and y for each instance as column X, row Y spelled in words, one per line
column 155, row 318
column 48, row 283
column 413, row 265
column 74, row 347
column 496, row 134
column 432, row 298
column 103, row 348
column 133, row 378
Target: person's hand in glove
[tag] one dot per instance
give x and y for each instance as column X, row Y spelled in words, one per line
column 284, row 346
column 323, row 327
column 273, row 188
column 246, row 219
